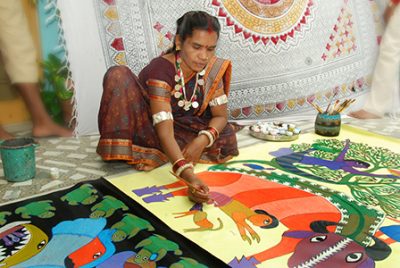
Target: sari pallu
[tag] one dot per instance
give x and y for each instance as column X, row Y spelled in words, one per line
column 125, row 122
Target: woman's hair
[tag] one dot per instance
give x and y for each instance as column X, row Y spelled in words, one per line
column 194, row 20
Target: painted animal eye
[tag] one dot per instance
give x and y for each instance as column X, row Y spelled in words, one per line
column 267, row 221
column 354, row 257
column 318, row 239
column 41, row 244
column 96, row 255
column 145, row 258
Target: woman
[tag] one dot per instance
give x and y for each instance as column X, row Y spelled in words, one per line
column 175, row 111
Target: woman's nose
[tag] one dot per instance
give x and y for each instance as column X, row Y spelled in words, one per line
column 203, row 55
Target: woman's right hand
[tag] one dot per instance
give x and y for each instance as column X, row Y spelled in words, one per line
column 198, row 191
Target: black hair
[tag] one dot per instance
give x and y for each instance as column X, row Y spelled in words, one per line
column 194, row 20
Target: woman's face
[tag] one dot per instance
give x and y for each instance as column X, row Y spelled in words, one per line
column 198, row 49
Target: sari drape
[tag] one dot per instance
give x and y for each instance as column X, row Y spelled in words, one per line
column 125, row 122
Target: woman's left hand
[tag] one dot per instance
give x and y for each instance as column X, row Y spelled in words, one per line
column 193, row 150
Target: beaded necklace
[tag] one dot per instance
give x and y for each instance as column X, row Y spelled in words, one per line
column 180, row 89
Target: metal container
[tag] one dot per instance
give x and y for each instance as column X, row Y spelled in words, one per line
column 18, row 157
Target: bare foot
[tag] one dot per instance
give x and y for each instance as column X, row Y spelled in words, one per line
column 50, row 130
column 362, row 114
column 4, row 135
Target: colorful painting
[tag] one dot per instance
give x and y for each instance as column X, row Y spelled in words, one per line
column 313, row 202
column 92, row 224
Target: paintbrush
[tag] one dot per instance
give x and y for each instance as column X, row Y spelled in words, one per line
column 316, row 107
column 191, row 186
column 330, row 102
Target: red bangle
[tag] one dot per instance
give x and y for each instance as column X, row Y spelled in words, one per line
column 213, row 132
column 178, row 163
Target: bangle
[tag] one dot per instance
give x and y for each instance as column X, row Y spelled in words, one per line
column 161, row 116
column 183, row 168
column 209, row 135
column 178, row 163
column 223, row 99
column 214, row 132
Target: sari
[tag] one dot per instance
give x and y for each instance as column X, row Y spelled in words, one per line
column 125, row 120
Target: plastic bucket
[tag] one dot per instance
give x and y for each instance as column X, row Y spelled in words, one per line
column 18, row 157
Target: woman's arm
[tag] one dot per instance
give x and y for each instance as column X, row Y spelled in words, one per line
column 198, row 191
column 192, row 152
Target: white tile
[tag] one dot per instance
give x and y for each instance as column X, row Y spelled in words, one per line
column 94, row 143
column 94, row 164
column 90, row 150
column 54, row 141
column 11, row 194
column 22, row 183
column 49, row 168
column 77, row 156
column 77, row 176
column 52, row 153
column 51, row 184
column 67, row 147
column 59, row 163
column 91, row 171
column 75, row 141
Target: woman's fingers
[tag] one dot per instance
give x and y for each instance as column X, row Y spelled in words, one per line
column 198, row 195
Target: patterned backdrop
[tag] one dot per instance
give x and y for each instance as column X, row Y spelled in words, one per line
column 285, row 53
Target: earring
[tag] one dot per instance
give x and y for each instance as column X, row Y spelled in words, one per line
column 177, row 47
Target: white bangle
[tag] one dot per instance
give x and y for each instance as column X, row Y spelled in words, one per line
column 183, row 168
column 209, row 135
column 161, row 116
column 223, row 99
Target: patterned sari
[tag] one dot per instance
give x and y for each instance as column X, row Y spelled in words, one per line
column 125, row 121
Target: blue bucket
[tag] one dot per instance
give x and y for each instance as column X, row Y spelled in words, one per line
column 18, row 157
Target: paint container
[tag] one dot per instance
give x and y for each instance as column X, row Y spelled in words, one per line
column 328, row 124
column 18, row 157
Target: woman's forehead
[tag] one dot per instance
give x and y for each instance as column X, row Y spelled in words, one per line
column 203, row 37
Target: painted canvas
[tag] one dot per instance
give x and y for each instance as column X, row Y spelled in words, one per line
column 316, row 201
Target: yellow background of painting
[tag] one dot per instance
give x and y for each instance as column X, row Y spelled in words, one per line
column 227, row 243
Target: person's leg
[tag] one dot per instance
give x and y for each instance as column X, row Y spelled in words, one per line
column 43, row 125
column 384, row 96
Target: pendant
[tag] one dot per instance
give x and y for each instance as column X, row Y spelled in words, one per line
column 177, row 94
column 203, row 72
column 195, row 104
column 187, row 105
column 178, row 87
column 200, row 82
column 177, row 78
column 181, row 103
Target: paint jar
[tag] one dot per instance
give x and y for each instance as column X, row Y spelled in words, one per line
column 18, row 157
column 327, row 124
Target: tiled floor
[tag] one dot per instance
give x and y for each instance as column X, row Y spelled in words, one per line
column 75, row 159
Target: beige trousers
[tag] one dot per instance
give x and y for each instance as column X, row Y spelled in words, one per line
column 385, row 95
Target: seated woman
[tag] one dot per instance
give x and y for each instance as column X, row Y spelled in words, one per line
column 176, row 110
